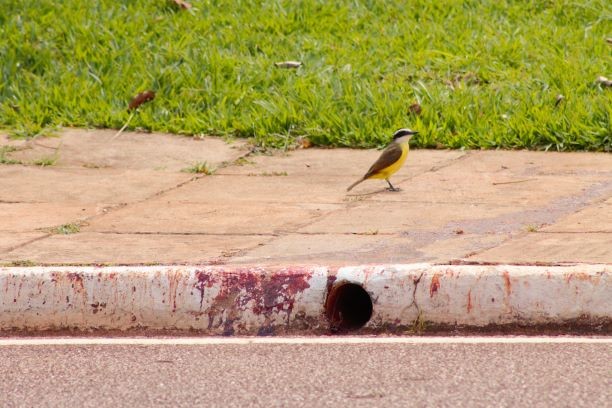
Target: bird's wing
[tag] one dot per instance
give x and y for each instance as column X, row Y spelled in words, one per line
column 389, row 156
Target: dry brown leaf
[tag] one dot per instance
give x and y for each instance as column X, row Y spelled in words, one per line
column 141, row 98
column 415, row 109
column 303, row 142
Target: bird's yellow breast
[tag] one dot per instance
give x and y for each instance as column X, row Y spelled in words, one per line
column 393, row 168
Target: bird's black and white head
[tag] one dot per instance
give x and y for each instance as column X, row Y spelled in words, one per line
column 403, row 135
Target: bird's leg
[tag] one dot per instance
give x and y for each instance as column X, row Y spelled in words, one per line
column 391, row 188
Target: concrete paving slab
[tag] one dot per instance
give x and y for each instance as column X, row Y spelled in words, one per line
column 530, row 163
column 96, row 248
column 96, row 148
column 20, row 217
column 161, row 216
column 229, row 205
column 10, row 240
column 331, row 249
column 403, row 217
column 262, row 187
column 450, row 248
column 455, row 184
column 344, row 163
column 551, row 248
column 338, row 249
column 83, row 186
column 452, row 203
column 504, row 177
column 595, row 218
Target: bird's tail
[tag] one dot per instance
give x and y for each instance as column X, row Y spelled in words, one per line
column 354, row 184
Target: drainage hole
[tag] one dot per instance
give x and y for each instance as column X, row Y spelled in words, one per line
column 348, row 307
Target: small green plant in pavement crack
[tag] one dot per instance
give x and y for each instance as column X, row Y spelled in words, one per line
column 4, row 150
column 45, row 161
column 200, row 168
column 66, row 229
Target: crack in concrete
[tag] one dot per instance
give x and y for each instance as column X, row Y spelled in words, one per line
column 364, row 197
column 414, row 303
column 214, row 234
column 416, row 285
column 351, row 204
column 576, row 232
column 514, row 223
column 23, row 244
column 424, row 238
column 450, row 162
column 510, row 223
column 434, row 168
column 281, row 232
column 109, row 209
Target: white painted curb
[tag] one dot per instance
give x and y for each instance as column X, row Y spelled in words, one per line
column 256, row 300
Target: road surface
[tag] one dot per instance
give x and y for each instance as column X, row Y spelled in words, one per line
column 310, row 372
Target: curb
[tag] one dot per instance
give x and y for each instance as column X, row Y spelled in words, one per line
column 249, row 300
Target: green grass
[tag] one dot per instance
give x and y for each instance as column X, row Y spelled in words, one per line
column 200, row 168
column 485, row 73
column 66, row 229
column 25, row 263
column 4, row 159
column 269, row 174
column 45, row 161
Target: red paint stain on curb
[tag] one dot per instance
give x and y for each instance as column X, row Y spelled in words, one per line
column 507, row 283
column 205, row 280
column 435, row 284
column 469, row 302
column 76, row 279
column 579, row 276
column 264, row 293
column 173, row 280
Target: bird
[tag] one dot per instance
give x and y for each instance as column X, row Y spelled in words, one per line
column 391, row 159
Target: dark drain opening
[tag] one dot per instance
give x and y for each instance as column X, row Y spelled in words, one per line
column 348, row 306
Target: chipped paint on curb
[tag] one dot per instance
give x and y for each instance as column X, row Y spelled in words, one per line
column 261, row 301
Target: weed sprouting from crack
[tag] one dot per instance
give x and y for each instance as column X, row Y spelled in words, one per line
column 45, row 161
column 67, row 229
column 419, row 326
column 353, row 198
column 21, row 263
column 4, row 150
column 200, row 168
column 268, row 174
column 242, row 161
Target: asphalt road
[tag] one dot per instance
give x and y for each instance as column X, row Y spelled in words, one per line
column 311, row 375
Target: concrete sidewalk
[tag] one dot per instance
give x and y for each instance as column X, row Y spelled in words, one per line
column 127, row 202
column 131, row 204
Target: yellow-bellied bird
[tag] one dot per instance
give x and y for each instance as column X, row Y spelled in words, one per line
column 391, row 159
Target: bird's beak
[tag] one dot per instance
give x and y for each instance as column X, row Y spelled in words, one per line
column 414, row 132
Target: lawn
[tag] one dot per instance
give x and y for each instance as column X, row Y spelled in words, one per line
column 473, row 74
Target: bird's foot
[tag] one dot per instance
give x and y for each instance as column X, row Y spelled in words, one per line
column 394, row 189
column 391, row 188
